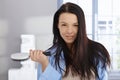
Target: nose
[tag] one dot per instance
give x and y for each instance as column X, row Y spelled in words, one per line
column 69, row 30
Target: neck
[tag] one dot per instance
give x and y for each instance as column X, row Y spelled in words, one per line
column 69, row 46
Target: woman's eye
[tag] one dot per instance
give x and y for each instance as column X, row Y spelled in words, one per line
column 76, row 25
column 63, row 24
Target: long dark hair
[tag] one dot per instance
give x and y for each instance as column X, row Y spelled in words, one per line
column 86, row 53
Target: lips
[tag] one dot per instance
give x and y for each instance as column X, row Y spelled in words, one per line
column 69, row 37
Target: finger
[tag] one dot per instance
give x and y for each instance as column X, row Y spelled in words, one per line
column 37, row 54
column 32, row 54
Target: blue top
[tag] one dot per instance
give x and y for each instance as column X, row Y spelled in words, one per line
column 51, row 73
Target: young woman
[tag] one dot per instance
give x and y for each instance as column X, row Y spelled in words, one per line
column 73, row 55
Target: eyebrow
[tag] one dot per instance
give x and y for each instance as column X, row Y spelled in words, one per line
column 65, row 22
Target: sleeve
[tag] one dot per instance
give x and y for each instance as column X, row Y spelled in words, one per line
column 102, row 72
column 50, row 73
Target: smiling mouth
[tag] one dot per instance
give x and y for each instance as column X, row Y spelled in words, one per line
column 69, row 37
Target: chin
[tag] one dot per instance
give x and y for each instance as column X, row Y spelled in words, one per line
column 69, row 42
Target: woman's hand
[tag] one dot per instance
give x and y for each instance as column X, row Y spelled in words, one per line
column 38, row 56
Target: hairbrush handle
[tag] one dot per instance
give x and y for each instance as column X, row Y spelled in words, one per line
column 47, row 53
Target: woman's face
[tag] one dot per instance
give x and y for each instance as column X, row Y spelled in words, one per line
column 68, row 27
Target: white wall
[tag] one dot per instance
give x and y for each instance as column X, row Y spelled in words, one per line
column 23, row 17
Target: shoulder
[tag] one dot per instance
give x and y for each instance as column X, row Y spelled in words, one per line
column 102, row 72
